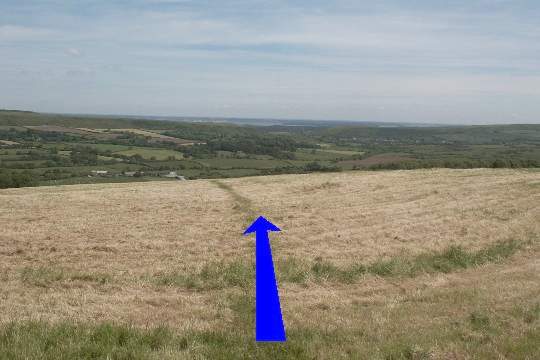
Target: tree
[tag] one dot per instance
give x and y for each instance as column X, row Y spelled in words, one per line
column 83, row 155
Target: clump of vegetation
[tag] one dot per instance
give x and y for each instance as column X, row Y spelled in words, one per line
column 70, row 340
column 326, row 271
column 292, row 270
column 33, row 340
column 529, row 314
column 13, row 179
column 405, row 351
column 213, row 275
column 84, row 155
column 45, row 277
column 479, row 320
column 221, row 275
column 452, row 259
column 318, row 167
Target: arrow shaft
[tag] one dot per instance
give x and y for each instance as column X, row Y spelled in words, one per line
column 268, row 318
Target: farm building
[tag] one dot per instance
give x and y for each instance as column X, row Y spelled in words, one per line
column 100, row 172
column 174, row 175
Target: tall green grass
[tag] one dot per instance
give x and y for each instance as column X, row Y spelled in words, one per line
column 46, row 276
column 451, row 259
column 213, row 275
column 40, row 340
column 68, row 340
column 220, row 275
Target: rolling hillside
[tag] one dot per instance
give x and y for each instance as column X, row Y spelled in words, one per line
column 421, row 264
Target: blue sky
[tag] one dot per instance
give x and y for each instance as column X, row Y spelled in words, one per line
column 475, row 61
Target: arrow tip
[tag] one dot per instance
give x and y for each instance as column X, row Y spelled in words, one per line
column 261, row 224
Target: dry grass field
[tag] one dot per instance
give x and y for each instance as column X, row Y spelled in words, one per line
column 424, row 264
column 156, row 136
column 76, row 131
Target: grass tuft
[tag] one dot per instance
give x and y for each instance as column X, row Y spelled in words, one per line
column 213, row 275
column 221, row 275
column 479, row 320
column 69, row 340
column 401, row 351
column 529, row 314
column 45, row 277
column 292, row 270
column 326, row 271
column 33, row 340
column 453, row 258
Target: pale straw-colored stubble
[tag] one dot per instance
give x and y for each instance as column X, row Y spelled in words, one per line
column 127, row 232
column 126, row 303
column 384, row 310
column 120, row 228
column 134, row 231
column 367, row 216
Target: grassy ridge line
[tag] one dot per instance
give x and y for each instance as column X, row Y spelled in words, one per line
column 237, row 273
column 221, row 275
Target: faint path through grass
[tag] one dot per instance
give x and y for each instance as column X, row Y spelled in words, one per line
column 243, row 205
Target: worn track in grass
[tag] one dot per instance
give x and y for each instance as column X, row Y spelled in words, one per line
column 405, row 264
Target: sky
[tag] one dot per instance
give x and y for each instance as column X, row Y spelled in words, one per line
column 426, row 61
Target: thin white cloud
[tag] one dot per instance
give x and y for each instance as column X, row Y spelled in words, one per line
column 24, row 33
column 394, row 64
column 73, row 52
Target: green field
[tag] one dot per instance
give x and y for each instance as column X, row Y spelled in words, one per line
column 242, row 163
column 149, row 153
column 225, row 150
column 325, row 154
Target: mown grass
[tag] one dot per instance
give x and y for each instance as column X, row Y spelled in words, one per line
column 478, row 336
column 40, row 340
column 220, row 275
column 480, row 333
column 529, row 315
column 240, row 273
column 242, row 205
column 213, row 275
column 451, row 259
column 45, row 276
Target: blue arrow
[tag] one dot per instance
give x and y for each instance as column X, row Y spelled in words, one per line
column 268, row 319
